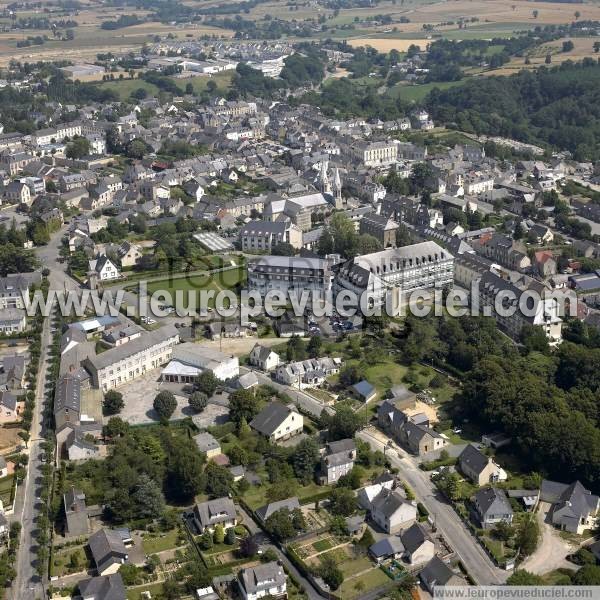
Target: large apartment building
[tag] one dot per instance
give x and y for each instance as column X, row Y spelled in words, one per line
column 396, row 271
column 377, row 154
column 124, row 363
column 42, row 137
column 265, row 235
column 290, row 273
column 542, row 312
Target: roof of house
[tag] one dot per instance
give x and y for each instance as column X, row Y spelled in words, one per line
column 271, row 417
column 106, row 587
column 104, row 543
column 492, row 500
column 206, row 442
column 473, row 458
column 262, row 577
column 436, row 572
column 364, row 388
column 413, row 538
column 264, row 512
column 215, row 511
column 387, row 502
column 387, row 547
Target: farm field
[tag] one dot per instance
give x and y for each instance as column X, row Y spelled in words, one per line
column 417, row 92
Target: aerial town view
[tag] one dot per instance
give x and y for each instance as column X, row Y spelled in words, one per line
column 299, row 299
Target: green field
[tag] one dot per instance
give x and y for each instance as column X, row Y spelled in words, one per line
column 124, row 87
column 196, row 283
column 416, row 93
column 357, row 586
column 154, row 544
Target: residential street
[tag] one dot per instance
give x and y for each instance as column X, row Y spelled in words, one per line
column 476, row 561
column 27, row 585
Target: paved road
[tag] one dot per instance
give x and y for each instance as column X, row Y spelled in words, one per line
column 27, row 585
column 302, row 399
column 476, row 561
column 265, row 542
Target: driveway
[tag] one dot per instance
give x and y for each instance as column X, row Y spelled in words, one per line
column 552, row 550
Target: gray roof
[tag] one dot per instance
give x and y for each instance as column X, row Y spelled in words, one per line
column 436, row 572
column 264, row 512
column 492, row 500
column 8, row 400
column 413, row 538
column 339, row 453
column 572, row 501
column 147, row 340
column 68, row 394
column 262, row 577
column 363, row 388
column 473, row 458
column 387, row 547
column 387, row 502
column 216, row 511
column 104, row 544
column 107, row 587
column 206, row 442
column 264, row 227
column 271, row 417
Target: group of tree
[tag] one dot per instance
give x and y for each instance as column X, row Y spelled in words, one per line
column 340, row 237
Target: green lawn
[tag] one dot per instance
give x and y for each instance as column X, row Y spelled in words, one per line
column 69, row 560
column 416, row 93
column 385, row 375
column 255, row 497
column 322, row 545
column 152, row 544
column 196, row 283
column 155, row 590
column 357, row 586
column 351, row 567
column 6, row 484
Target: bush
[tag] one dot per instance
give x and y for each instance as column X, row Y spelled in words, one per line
column 165, row 404
column 437, row 381
column 198, row 401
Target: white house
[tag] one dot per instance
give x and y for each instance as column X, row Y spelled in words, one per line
column 278, row 422
column 264, row 358
column 104, row 268
column 263, row 580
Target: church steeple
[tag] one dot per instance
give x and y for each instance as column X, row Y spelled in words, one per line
column 324, row 181
column 337, row 189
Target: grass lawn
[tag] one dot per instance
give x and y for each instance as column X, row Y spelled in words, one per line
column 357, row 586
column 351, row 567
column 416, row 93
column 255, row 497
column 155, row 590
column 6, row 484
column 322, row 545
column 153, row 544
column 196, row 283
column 385, row 375
column 62, row 561
column 223, row 81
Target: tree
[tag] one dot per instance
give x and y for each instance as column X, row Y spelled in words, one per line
column 295, row 349
column 165, row 404
column 149, row 498
column 343, row 424
column 78, row 148
column 24, row 435
column 577, row 15
column 314, row 346
column 587, row 575
column 367, row 244
column 219, row 535
column 115, row 428
column 243, row 405
column 285, row 524
column 185, row 473
column 113, row 403
column 503, row 531
column 305, row 459
column 567, row 46
column 198, row 401
column 522, row 577
column 528, row 535
column 535, row 13
column 248, row 546
column 330, row 572
column 218, row 480
column 548, row 59
column 206, row 541
column 283, row 249
column 230, row 536
column 207, row 383
column 342, row 501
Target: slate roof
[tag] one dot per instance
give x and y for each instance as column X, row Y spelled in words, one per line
column 262, row 577
column 413, row 538
column 473, row 458
column 104, row 543
column 211, row 512
column 387, row 547
column 436, row 572
column 270, row 418
column 363, row 388
column 107, row 587
column 492, row 500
